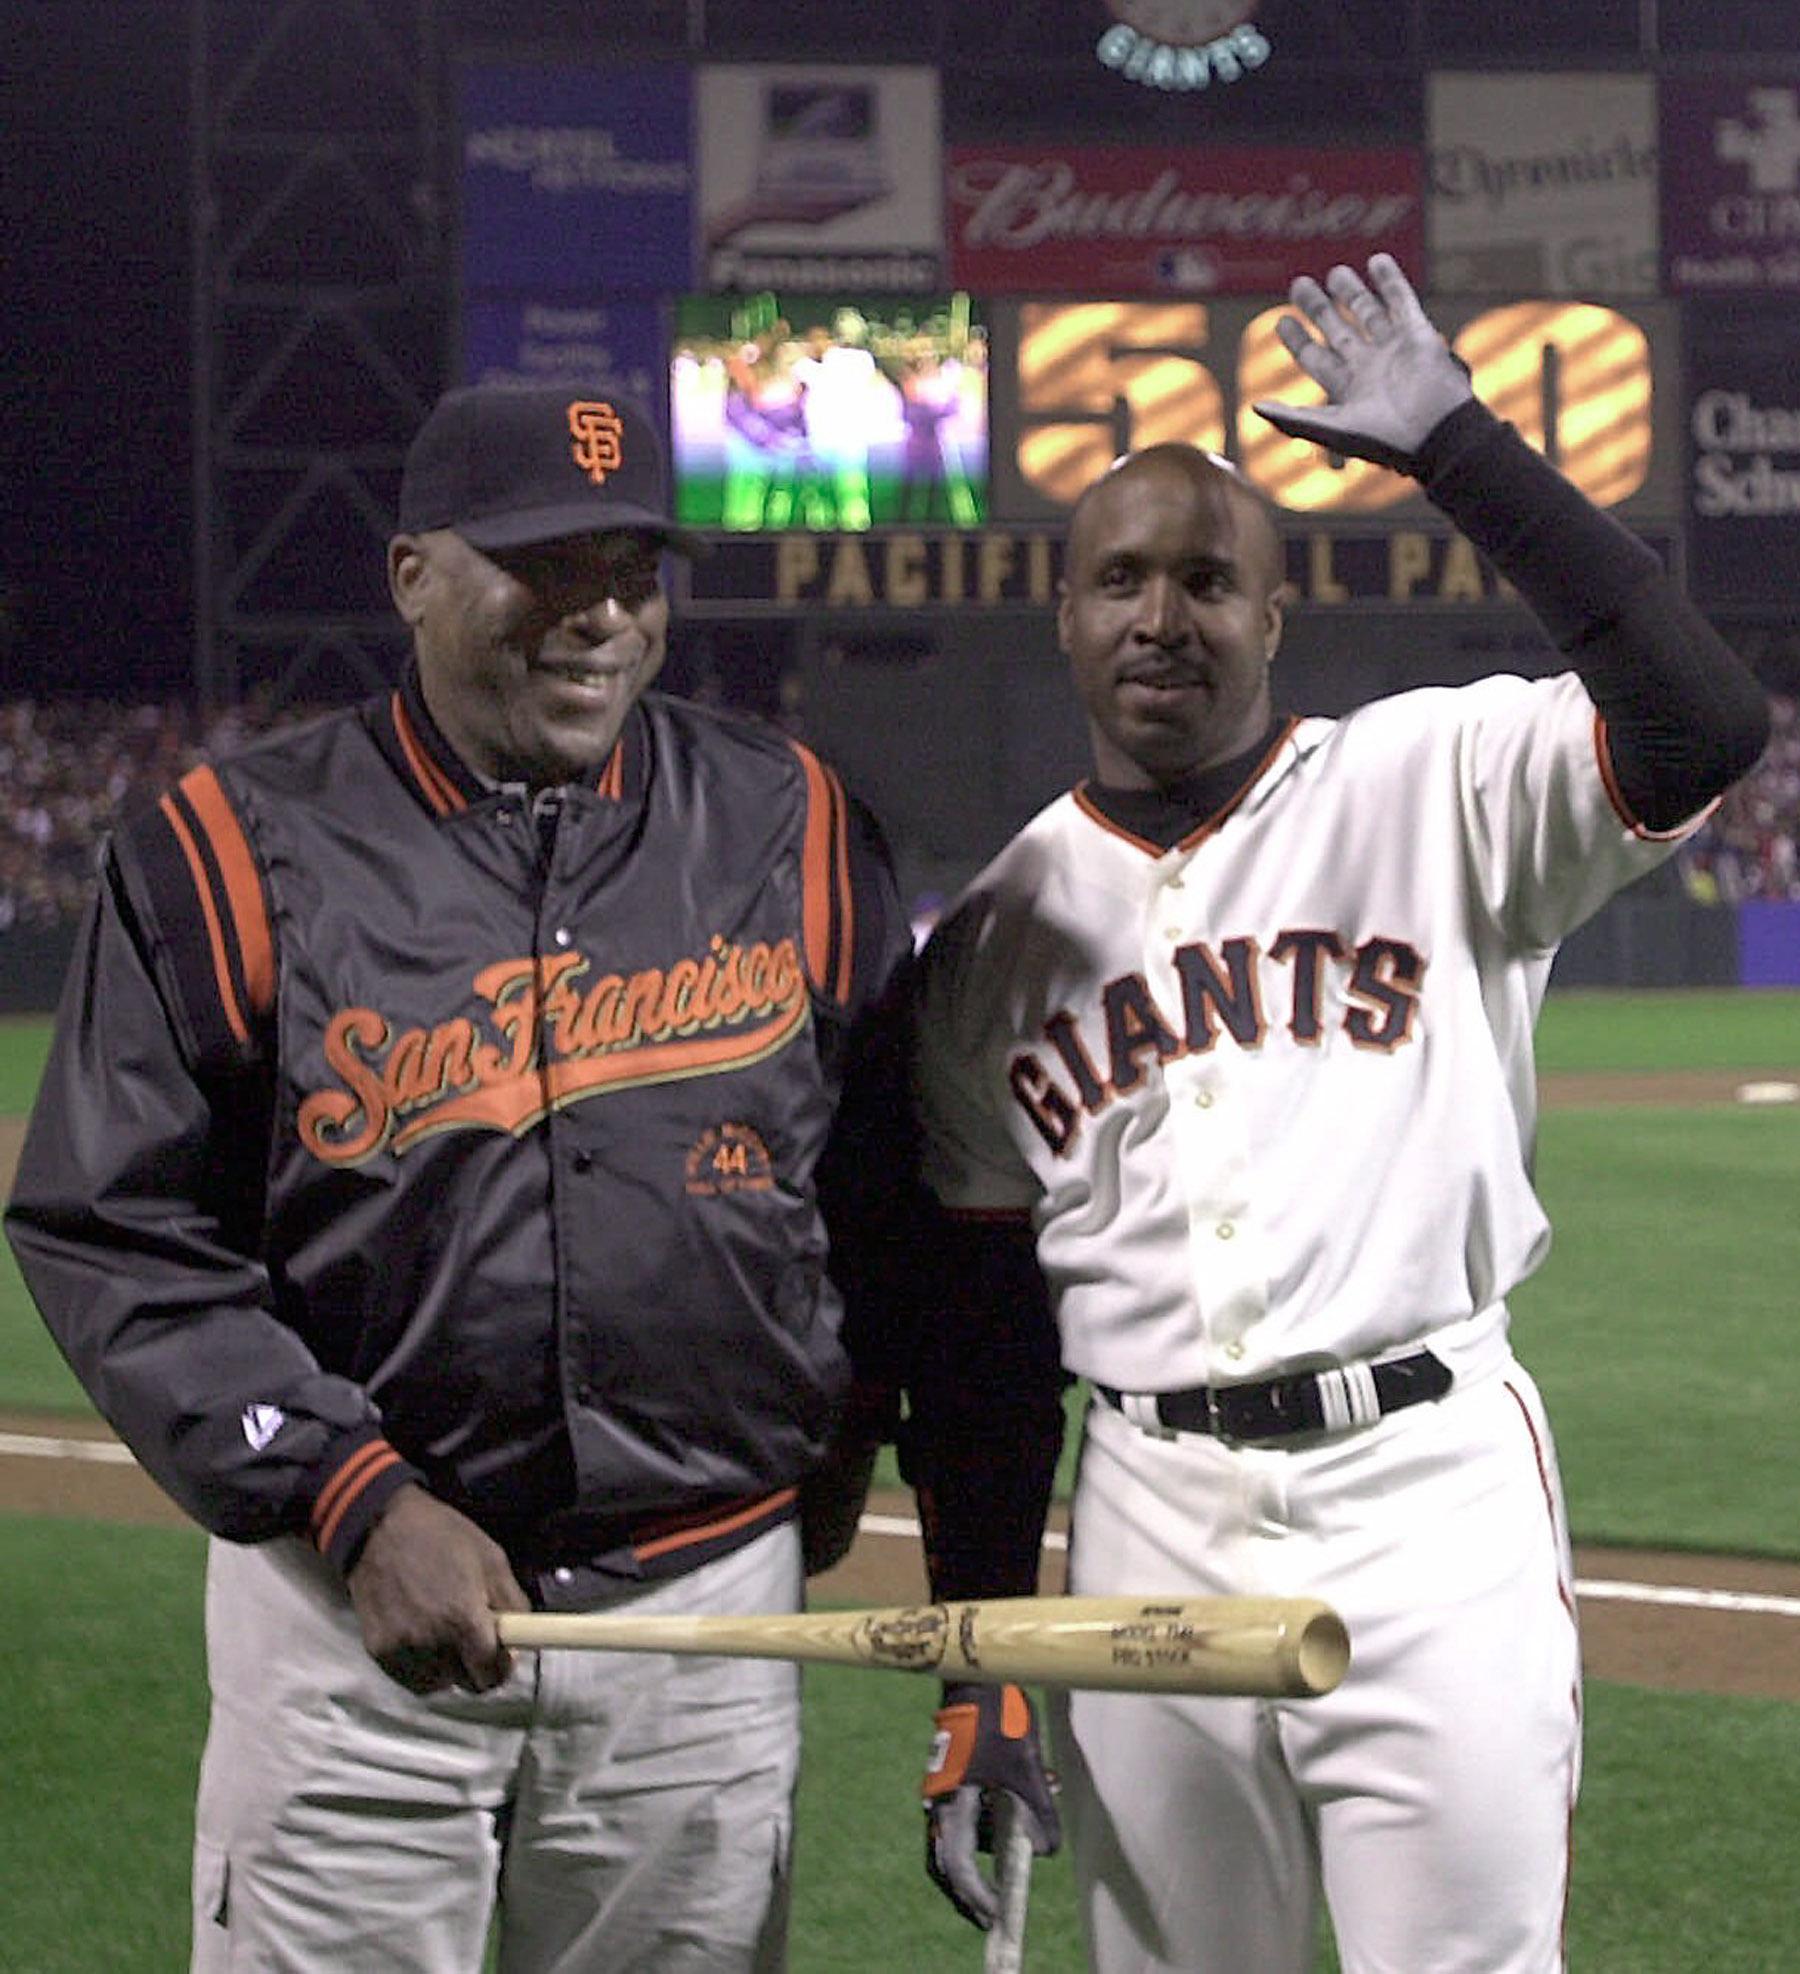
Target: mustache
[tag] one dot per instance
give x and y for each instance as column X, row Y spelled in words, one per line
column 1179, row 665
column 622, row 648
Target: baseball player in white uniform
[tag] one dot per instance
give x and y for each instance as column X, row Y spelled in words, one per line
column 1225, row 1074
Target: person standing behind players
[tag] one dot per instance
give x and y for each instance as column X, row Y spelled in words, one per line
column 427, row 1183
column 1226, row 1088
column 842, row 397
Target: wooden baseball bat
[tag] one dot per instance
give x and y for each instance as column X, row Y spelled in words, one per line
column 1292, row 1647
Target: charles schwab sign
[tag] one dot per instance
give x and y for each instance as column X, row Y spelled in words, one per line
column 1744, row 456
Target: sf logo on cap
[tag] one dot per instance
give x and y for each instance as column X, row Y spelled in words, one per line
column 598, row 433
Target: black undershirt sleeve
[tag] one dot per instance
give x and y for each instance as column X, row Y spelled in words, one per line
column 1685, row 717
column 953, row 1313
column 984, row 1420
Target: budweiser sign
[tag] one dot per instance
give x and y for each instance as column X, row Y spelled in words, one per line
column 1140, row 221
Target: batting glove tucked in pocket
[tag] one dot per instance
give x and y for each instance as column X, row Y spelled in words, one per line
column 986, row 1746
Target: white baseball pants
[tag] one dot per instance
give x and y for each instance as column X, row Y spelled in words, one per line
column 1430, row 1796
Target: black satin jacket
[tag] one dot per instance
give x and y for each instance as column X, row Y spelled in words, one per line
column 399, row 1127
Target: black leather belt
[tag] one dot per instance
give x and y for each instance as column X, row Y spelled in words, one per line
column 1305, row 1402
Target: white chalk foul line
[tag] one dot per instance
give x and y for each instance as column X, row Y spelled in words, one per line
column 1695, row 1600
column 1597, row 1589
column 109, row 1452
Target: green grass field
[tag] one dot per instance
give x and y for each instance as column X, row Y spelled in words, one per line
column 1659, row 1329
column 1684, row 1856
column 1671, row 1029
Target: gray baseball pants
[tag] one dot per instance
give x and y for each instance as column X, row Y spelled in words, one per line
column 611, row 1811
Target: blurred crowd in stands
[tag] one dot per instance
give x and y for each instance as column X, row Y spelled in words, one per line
column 1751, row 846
column 68, row 768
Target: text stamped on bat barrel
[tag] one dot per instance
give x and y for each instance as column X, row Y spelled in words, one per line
column 1161, row 1636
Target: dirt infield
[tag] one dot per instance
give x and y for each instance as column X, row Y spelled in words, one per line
column 1674, row 1089
column 1711, row 1624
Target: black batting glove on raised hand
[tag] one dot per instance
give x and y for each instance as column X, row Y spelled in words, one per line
column 1389, row 377
column 986, row 1745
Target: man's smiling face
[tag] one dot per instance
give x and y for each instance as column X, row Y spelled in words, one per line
column 1170, row 614
column 530, row 658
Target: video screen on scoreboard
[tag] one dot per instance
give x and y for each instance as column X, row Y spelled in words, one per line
column 828, row 412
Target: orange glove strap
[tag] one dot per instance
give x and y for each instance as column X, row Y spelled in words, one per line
column 958, row 1728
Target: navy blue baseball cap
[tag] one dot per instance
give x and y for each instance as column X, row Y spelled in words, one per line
column 507, row 465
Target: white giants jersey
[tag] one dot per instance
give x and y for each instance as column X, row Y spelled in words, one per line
column 1268, row 1096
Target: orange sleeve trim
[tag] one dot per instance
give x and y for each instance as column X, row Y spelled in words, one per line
column 338, row 1493
column 1015, row 1714
column 440, row 792
column 816, row 867
column 215, row 933
column 846, row 896
column 1616, row 795
column 714, row 1526
column 825, row 879
column 243, row 887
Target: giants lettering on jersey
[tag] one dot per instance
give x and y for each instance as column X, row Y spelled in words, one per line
column 556, row 1044
column 1228, row 992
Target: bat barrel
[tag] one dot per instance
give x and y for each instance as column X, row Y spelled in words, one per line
column 1266, row 1647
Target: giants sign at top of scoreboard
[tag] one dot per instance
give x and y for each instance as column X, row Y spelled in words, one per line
column 1183, row 44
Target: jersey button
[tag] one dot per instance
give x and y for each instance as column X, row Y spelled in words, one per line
column 583, row 1161
column 1203, row 1100
column 1234, row 1350
column 562, row 935
column 1224, row 1230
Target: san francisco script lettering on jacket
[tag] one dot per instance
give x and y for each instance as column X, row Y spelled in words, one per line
column 548, row 1038
column 1222, row 992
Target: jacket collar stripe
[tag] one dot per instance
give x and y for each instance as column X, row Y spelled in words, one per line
column 435, row 785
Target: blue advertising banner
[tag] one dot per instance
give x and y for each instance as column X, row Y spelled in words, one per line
column 1743, row 401
column 612, row 346
column 576, row 180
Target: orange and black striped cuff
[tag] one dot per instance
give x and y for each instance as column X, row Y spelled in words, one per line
column 365, row 1475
